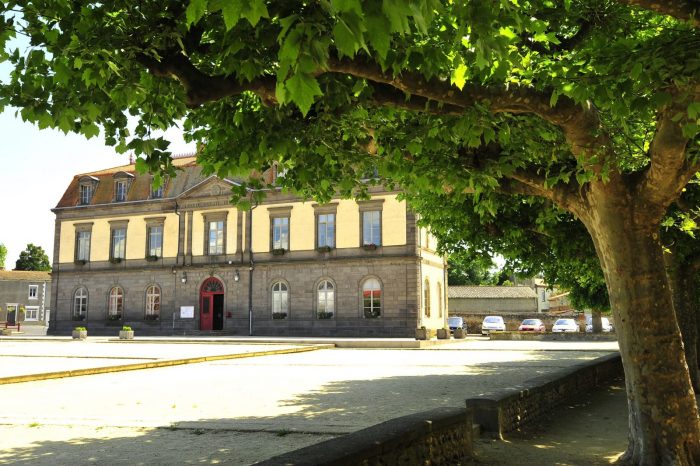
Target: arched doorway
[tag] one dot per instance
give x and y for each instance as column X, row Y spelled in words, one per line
column 211, row 305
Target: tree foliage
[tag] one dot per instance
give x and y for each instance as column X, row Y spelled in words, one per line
column 33, row 258
column 3, row 255
column 465, row 269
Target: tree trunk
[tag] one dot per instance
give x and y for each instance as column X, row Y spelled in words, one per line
column 682, row 281
column 663, row 414
column 596, row 320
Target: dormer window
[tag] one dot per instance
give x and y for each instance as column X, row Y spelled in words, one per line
column 87, row 189
column 157, row 193
column 122, row 180
column 120, row 191
column 85, row 194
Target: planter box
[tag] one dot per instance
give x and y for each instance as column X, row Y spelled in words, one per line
column 126, row 334
column 279, row 315
column 6, row 331
column 460, row 333
column 79, row 334
column 278, row 252
column 443, row 334
column 424, row 333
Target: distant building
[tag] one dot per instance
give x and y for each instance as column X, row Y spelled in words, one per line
column 25, row 297
column 182, row 259
column 492, row 299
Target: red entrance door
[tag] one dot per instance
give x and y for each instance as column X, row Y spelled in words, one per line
column 210, row 300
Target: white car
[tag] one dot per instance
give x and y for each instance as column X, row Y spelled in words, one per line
column 491, row 324
column 565, row 325
column 607, row 326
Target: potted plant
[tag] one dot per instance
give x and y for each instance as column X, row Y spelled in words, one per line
column 20, row 314
column 115, row 260
column 278, row 251
column 460, row 333
column 114, row 317
column 126, row 333
column 443, row 334
column 325, row 315
column 79, row 333
column 152, row 258
column 369, row 247
column 279, row 315
column 324, row 249
column 80, row 262
column 422, row 333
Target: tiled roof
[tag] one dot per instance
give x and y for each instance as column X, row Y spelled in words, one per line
column 491, row 292
column 25, row 275
column 140, row 188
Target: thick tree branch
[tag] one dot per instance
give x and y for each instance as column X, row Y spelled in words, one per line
column 580, row 123
column 684, row 10
column 200, row 87
column 670, row 170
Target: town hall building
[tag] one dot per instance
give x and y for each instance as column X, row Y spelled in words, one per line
column 181, row 260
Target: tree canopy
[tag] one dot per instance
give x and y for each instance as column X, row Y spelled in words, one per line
column 33, row 258
column 590, row 105
column 3, row 255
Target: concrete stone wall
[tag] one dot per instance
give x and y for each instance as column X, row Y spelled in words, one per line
column 508, row 409
column 396, row 275
column 442, row 436
column 492, row 305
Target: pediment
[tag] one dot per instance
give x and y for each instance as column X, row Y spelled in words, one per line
column 210, row 187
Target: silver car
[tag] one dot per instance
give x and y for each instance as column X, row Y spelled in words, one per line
column 492, row 324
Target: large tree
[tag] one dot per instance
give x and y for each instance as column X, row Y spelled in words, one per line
column 33, row 258
column 592, row 105
column 3, row 256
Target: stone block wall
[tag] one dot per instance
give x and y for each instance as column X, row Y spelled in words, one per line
column 442, row 436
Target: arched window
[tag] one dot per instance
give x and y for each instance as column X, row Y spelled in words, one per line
column 439, row 296
column 152, row 302
column 325, row 308
column 80, row 301
column 116, row 303
column 372, row 298
column 426, row 298
column 280, row 300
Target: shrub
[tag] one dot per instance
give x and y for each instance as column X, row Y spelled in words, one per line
column 126, row 328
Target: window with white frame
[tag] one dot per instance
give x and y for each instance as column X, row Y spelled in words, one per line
column 31, row 313
column 120, row 188
column 80, row 303
column 215, row 244
column 85, row 194
column 33, row 291
column 152, row 302
column 116, row 303
column 118, row 243
column 280, row 233
column 371, row 227
column 326, row 230
column 325, row 300
column 82, row 245
column 372, row 298
column 155, row 240
column 280, row 300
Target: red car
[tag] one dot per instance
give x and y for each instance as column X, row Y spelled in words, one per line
column 532, row 325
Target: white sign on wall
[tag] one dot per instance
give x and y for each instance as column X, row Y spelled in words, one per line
column 187, row 312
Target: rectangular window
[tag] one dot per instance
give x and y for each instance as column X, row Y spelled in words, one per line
column 31, row 313
column 120, row 191
column 118, row 243
column 157, row 193
column 216, row 238
column 155, row 240
column 82, row 247
column 33, row 291
column 280, row 233
column 85, row 194
column 371, row 227
column 326, row 230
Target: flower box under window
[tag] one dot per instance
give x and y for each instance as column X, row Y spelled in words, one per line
column 151, row 317
column 324, row 249
column 152, row 258
column 80, row 262
column 278, row 251
column 279, row 315
column 325, row 315
column 78, row 316
column 369, row 247
column 114, row 317
column 115, row 260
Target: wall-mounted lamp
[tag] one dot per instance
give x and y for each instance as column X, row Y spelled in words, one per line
column 236, row 276
column 184, row 277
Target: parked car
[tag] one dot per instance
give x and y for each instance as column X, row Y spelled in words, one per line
column 532, row 325
column 607, row 326
column 492, row 323
column 565, row 325
column 456, row 322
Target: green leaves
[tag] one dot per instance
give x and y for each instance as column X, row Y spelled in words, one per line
column 302, row 89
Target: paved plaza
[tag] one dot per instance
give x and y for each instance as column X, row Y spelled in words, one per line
column 239, row 411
